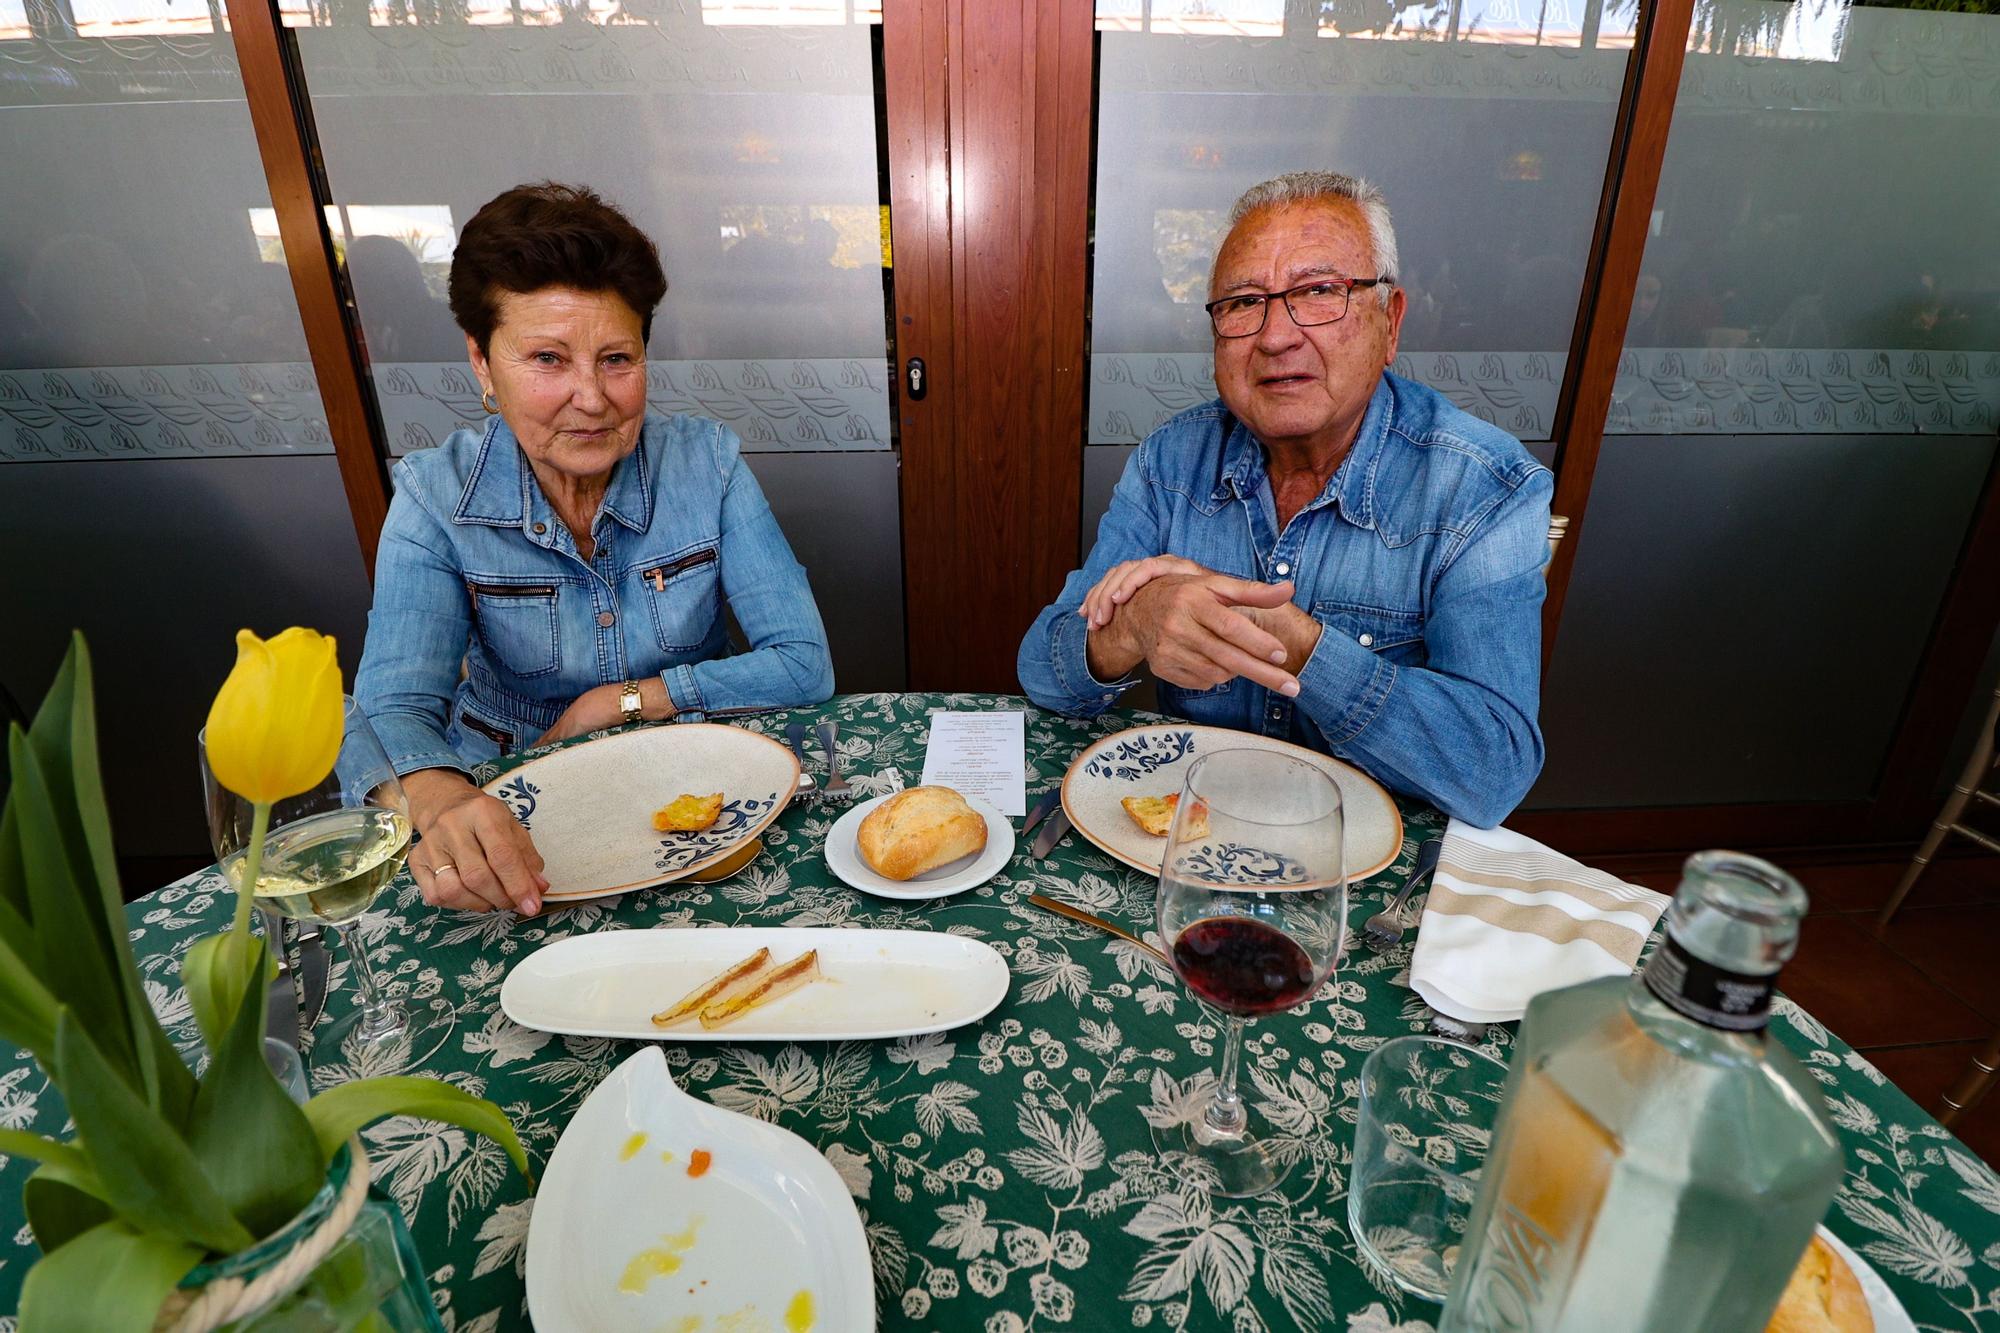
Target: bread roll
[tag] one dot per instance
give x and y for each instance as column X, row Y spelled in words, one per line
column 920, row 829
column 1822, row 1297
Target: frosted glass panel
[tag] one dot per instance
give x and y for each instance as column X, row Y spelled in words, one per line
column 1760, row 569
column 165, row 468
column 1822, row 256
column 140, row 316
column 1488, row 125
column 1747, row 615
column 740, row 136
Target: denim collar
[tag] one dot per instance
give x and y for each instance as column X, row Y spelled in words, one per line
column 501, row 491
column 1351, row 488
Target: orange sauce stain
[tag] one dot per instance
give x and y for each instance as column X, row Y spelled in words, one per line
column 799, row 1315
column 698, row 1162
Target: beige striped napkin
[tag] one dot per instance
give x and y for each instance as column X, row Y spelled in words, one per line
column 1508, row 919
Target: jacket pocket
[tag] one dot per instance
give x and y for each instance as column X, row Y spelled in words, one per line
column 683, row 593
column 476, row 738
column 517, row 624
column 1397, row 636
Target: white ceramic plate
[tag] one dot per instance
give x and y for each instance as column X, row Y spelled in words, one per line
column 767, row 1220
column 1151, row 761
column 873, row 983
column 843, row 857
column 591, row 806
column 1890, row 1316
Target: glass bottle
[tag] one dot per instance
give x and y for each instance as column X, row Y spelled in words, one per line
column 1659, row 1162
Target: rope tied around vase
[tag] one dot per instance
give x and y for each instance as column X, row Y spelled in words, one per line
column 227, row 1299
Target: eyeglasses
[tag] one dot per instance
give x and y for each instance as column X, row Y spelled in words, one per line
column 1321, row 302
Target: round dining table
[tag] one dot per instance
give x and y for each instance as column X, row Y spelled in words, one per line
column 1005, row 1171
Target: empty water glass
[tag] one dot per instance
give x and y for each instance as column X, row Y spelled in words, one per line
column 1426, row 1119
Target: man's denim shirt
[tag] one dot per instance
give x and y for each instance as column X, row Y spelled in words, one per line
column 474, row 566
column 1421, row 559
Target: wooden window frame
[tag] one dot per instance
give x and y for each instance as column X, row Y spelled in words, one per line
column 281, row 115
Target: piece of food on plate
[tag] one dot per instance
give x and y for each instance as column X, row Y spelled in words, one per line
column 717, row 988
column 774, row 984
column 919, row 829
column 1822, row 1297
column 688, row 814
column 1155, row 815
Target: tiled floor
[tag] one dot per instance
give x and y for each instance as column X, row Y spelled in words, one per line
column 1919, row 1001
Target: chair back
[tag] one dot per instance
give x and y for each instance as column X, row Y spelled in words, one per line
column 1558, row 529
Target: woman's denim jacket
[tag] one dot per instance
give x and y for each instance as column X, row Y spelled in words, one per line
column 487, row 623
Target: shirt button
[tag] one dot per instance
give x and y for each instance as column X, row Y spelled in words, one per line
column 606, row 619
column 1282, row 568
column 1367, row 640
column 541, row 528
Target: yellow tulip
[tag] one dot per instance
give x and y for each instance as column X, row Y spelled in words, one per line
column 275, row 727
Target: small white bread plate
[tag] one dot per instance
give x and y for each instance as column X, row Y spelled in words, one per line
column 873, row 983
column 1153, row 761
column 590, row 806
column 843, row 857
column 1890, row 1316
column 624, row 1238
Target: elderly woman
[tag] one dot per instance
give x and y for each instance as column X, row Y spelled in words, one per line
column 566, row 568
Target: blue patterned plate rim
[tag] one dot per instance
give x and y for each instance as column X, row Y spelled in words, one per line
column 1131, row 755
column 768, row 806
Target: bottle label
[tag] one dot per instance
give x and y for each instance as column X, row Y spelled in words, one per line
column 1733, row 1001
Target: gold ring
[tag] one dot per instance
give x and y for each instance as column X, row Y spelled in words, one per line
column 439, row 870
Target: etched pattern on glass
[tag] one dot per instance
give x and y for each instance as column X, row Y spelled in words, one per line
column 806, row 406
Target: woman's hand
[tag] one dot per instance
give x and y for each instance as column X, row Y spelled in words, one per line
column 1122, row 580
column 475, row 855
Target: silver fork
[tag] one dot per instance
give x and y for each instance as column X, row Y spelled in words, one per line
column 1384, row 930
column 837, row 787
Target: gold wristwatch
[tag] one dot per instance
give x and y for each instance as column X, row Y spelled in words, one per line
column 628, row 701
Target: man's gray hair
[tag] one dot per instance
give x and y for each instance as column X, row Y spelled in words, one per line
column 1306, row 187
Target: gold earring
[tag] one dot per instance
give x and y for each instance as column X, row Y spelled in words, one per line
column 487, row 401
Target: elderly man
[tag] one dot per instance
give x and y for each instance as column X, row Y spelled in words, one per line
column 1329, row 554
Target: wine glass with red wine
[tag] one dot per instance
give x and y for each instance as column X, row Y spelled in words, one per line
column 1252, row 905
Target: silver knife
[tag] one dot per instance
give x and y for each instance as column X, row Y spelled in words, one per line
column 281, row 1017
column 1050, row 800
column 313, row 964
column 808, row 785
column 1052, row 833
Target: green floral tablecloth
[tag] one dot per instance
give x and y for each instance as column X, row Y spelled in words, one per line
column 1005, row 1170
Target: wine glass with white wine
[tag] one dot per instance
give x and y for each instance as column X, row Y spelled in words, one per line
column 329, row 853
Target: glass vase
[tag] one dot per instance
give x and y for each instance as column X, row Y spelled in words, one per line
column 371, row 1280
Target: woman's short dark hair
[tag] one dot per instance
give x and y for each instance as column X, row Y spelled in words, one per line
column 551, row 235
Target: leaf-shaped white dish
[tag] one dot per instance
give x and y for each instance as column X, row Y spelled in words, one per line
column 625, row 1237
